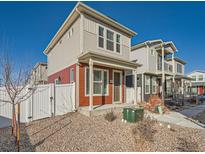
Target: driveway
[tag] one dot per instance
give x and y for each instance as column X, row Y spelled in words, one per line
column 4, row 122
column 193, row 111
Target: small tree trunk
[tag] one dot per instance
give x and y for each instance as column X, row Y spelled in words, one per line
column 18, row 132
column 13, row 120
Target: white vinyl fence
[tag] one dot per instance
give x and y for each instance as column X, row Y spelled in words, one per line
column 46, row 101
column 130, row 96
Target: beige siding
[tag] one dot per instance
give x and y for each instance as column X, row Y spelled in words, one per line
column 152, row 60
column 197, row 74
column 65, row 53
column 142, row 58
column 91, row 38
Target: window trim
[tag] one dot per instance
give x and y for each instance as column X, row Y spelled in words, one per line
column 147, row 84
column 179, row 66
column 152, row 52
column 105, row 40
column 101, row 37
column 102, row 75
column 201, row 78
column 72, row 81
column 194, row 77
column 113, row 41
column 154, row 85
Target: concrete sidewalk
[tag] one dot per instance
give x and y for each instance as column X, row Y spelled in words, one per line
column 175, row 118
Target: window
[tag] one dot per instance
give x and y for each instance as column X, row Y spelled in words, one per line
column 159, row 63
column 154, row 85
column 200, row 77
column 179, row 68
column 100, row 82
column 194, row 77
column 118, row 43
column 110, row 39
column 101, row 37
column 70, row 32
column 58, row 80
column 147, row 84
column 152, row 52
column 71, row 75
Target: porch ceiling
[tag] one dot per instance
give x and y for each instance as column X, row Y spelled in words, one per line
column 101, row 59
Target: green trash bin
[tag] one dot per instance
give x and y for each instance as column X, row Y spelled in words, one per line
column 133, row 114
column 126, row 113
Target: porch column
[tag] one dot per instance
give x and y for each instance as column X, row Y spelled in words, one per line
column 182, row 86
column 91, row 84
column 142, row 86
column 135, row 87
column 173, row 78
column 163, row 73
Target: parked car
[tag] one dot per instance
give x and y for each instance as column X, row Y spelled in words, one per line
column 202, row 97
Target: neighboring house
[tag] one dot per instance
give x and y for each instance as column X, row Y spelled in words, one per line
column 39, row 74
column 93, row 51
column 198, row 82
column 159, row 67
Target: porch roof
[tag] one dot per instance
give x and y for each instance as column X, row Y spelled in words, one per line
column 183, row 77
column 105, row 60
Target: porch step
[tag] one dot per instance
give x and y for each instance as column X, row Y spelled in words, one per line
column 104, row 109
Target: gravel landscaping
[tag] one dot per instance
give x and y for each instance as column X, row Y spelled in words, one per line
column 76, row 132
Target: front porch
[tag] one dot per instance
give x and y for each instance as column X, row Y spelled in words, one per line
column 102, row 80
column 103, row 109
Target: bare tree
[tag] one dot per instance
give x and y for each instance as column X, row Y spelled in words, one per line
column 15, row 82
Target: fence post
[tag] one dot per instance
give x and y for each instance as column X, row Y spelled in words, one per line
column 54, row 95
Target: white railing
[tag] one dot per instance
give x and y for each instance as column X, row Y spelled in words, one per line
column 167, row 67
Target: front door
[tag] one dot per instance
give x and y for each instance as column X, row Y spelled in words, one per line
column 117, row 86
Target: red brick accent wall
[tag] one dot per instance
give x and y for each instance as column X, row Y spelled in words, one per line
column 97, row 100
column 63, row 74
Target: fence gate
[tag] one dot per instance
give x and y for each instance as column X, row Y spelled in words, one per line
column 64, row 98
column 40, row 101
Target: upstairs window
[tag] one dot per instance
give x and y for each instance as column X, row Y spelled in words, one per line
column 118, row 43
column 110, row 40
column 152, row 52
column 200, row 77
column 179, row 68
column 101, row 37
column 194, row 77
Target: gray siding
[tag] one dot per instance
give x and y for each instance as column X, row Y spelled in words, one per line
column 141, row 56
column 90, row 34
column 65, row 53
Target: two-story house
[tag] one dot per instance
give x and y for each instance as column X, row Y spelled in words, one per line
column 92, row 50
column 39, row 74
column 159, row 70
column 197, row 85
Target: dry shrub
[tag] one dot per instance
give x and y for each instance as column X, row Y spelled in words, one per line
column 187, row 145
column 110, row 116
column 145, row 130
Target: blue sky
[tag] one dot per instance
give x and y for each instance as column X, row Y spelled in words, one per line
column 27, row 27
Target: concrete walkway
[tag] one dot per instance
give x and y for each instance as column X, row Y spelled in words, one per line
column 175, row 118
column 193, row 111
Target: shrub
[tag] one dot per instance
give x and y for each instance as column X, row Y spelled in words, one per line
column 110, row 116
column 145, row 130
